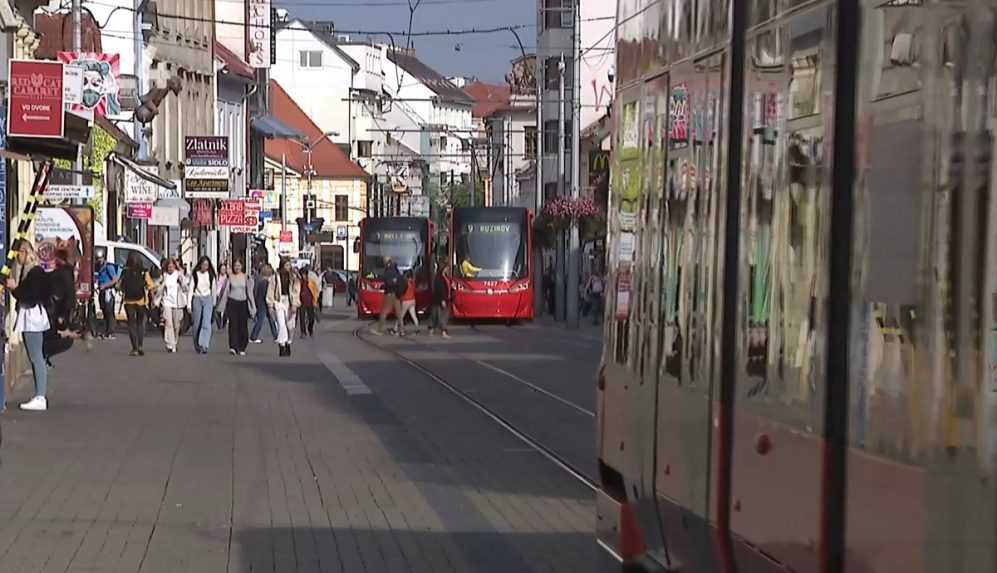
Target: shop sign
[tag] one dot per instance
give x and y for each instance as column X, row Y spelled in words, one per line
column 239, row 216
column 140, row 190
column 165, row 217
column 286, row 237
column 203, row 213
column 259, row 34
column 99, row 94
column 206, row 167
column 35, row 106
column 139, row 211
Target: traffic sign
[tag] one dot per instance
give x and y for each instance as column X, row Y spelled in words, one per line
column 36, row 99
column 63, row 192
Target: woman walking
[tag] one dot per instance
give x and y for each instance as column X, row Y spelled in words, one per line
column 408, row 304
column 309, row 299
column 237, row 301
column 136, row 284
column 283, row 299
column 173, row 295
column 31, row 294
column 261, row 285
column 202, row 304
column 220, row 285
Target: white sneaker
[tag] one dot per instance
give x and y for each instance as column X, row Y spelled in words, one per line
column 36, row 404
column 242, row 353
column 257, row 341
column 231, row 351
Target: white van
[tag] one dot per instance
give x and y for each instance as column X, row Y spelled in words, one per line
column 117, row 252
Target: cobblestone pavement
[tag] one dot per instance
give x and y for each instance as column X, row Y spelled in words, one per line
column 341, row 458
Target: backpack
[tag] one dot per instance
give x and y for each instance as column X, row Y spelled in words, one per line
column 133, row 284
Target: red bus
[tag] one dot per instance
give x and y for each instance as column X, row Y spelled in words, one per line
column 491, row 264
column 408, row 241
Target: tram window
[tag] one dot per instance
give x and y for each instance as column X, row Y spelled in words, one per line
column 761, row 10
column 784, row 229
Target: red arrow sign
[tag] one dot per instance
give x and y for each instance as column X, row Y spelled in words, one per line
column 36, row 104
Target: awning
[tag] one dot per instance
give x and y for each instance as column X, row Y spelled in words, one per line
column 273, row 128
column 137, row 169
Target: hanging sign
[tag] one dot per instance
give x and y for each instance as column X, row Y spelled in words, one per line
column 139, row 211
column 36, row 99
column 206, row 167
column 260, row 35
column 100, row 73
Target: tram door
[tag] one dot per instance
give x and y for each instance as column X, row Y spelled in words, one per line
column 776, row 463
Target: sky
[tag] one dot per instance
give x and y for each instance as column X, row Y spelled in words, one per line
column 485, row 56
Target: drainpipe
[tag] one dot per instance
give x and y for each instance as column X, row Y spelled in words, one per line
column 140, row 80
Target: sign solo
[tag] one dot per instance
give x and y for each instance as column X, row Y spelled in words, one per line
column 36, row 99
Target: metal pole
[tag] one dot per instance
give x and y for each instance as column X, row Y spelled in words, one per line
column 560, row 299
column 139, row 51
column 283, row 191
column 77, row 47
column 538, row 259
column 573, row 239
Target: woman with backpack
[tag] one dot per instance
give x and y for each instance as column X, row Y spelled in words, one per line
column 238, row 304
column 283, row 299
column 136, row 284
column 202, row 303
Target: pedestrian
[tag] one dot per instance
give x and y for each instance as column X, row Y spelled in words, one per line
column 238, row 302
column 136, row 284
column 548, row 287
column 440, row 311
column 153, row 310
column 202, row 304
column 220, row 284
column 284, row 298
column 328, row 289
column 263, row 315
column 596, row 288
column 107, row 278
column 392, row 282
column 172, row 295
column 408, row 304
column 60, row 306
column 309, row 299
column 351, row 290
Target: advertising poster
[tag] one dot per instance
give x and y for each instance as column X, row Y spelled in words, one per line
column 101, row 76
column 69, row 228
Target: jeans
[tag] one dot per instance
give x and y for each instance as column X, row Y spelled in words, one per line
column 171, row 330
column 408, row 310
column 237, row 312
column 439, row 317
column 263, row 316
column 306, row 319
column 34, row 344
column 107, row 308
column 596, row 307
column 136, row 325
column 202, row 310
column 390, row 304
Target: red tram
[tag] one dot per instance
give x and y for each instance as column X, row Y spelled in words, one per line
column 408, row 241
column 491, row 266
column 799, row 369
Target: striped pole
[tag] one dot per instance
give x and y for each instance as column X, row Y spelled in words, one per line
column 28, row 215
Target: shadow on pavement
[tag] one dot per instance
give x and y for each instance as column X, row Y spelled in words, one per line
column 366, row 550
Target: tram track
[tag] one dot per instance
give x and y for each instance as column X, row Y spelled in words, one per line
column 502, row 421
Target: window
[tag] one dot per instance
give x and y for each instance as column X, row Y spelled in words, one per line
column 557, row 14
column 550, row 136
column 530, row 141
column 443, row 179
column 268, row 178
column 552, row 73
column 443, row 142
column 342, row 203
column 310, row 59
column 365, row 148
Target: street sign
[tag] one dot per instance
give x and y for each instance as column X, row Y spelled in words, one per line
column 36, row 106
column 206, row 167
column 139, row 211
column 74, row 192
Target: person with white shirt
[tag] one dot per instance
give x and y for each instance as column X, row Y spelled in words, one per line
column 172, row 296
column 32, row 320
column 202, row 304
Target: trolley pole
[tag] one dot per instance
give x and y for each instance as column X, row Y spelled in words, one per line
column 573, row 239
column 560, row 302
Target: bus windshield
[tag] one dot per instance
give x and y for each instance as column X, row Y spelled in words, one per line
column 490, row 251
column 406, row 249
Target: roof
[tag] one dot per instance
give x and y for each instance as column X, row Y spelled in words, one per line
column 429, row 77
column 233, row 63
column 327, row 161
column 325, row 32
column 488, row 98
